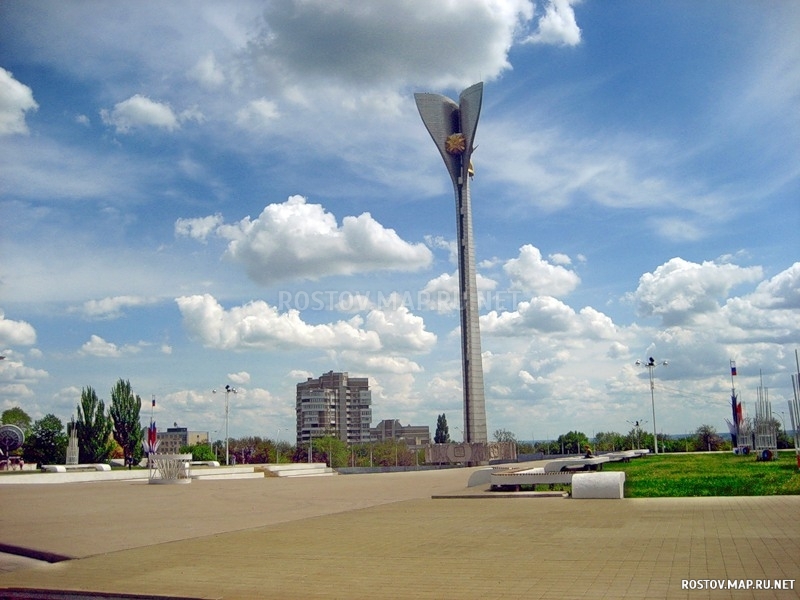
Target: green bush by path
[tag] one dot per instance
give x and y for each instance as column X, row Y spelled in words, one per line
column 711, row 474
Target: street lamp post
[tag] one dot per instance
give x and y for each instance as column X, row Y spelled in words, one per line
column 650, row 365
column 638, row 426
column 228, row 390
column 277, row 448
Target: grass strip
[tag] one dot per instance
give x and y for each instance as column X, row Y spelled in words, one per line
column 709, row 474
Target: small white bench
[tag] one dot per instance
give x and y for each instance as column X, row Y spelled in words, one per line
column 65, row 468
column 599, row 485
column 594, row 463
column 622, row 456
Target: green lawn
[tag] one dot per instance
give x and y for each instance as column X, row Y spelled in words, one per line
column 713, row 474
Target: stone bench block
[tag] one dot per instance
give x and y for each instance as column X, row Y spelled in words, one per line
column 608, row 484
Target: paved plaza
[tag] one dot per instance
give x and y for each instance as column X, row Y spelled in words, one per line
column 386, row 536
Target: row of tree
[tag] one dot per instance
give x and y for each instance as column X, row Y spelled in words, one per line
column 705, row 438
column 325, row 449
column 101, row 434
column 117, row 433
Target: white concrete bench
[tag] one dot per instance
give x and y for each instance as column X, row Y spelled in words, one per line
column 594, row 463
column 204, row 463
column 65, row 468
column 598, row 485
column 534, row 476
column 622, row 456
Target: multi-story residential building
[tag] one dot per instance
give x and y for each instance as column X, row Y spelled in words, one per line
column 415, row 436
column 334, row 404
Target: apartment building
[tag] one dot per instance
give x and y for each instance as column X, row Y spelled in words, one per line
column 334, row 404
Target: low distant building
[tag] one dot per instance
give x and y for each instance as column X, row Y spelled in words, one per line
column 415, row 436
column 175, row 438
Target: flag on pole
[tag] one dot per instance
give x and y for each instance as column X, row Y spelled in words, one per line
column 150, row 443
column 733, row 368
column 154, row 401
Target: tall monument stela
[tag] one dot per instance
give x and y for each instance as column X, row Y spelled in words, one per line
column 452, row 127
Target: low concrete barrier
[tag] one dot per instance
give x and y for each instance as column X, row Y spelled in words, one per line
column 299, row 469
column 598, row 485
column 480, row 477
column 68, row 468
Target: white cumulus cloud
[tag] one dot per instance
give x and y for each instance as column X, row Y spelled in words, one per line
column 15, row 100
column 257, row 114
column 532, row 273
column 140, row 111
column 257, row 325
column 557, row 26
column 208, row 72
column 297, row 240
column 97, row 346
column 439, row 44
column 400, row 329
column 112, row 307
column 14, row 333
column 198, row 229
column 679, row 290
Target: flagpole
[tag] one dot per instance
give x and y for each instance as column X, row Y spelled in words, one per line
column 733, row 405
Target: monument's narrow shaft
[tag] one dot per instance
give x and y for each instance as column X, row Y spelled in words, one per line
column 452, row 127
column 474, row 402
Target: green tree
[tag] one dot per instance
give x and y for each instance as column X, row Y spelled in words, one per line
column 393, row 453
column 47, row 442
column 124, row 412
column 16, row 416
column 199, row 452
column 333, row 451
column 283, row 451
column 525, row 448
column 706, row 438
column 94, row 428
column 610, row 441
column 782, row 438
column 547, row 447
column 442, row 435
column 504, row 435
column 572, row 442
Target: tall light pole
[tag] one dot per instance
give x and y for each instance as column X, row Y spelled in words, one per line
column 638, row 426
column 277, row 448
column 650, row 365
column 228, row 390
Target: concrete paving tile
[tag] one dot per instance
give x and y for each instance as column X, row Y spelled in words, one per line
column 383, row 536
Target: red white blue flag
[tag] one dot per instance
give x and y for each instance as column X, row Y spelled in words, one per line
column 150, row 443
column 733, row 368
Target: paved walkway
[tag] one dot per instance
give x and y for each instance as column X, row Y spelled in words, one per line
column 383, row 536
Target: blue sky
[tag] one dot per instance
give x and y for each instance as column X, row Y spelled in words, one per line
column 196, row 194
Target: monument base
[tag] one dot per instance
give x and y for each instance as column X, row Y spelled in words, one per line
column 473, row 454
